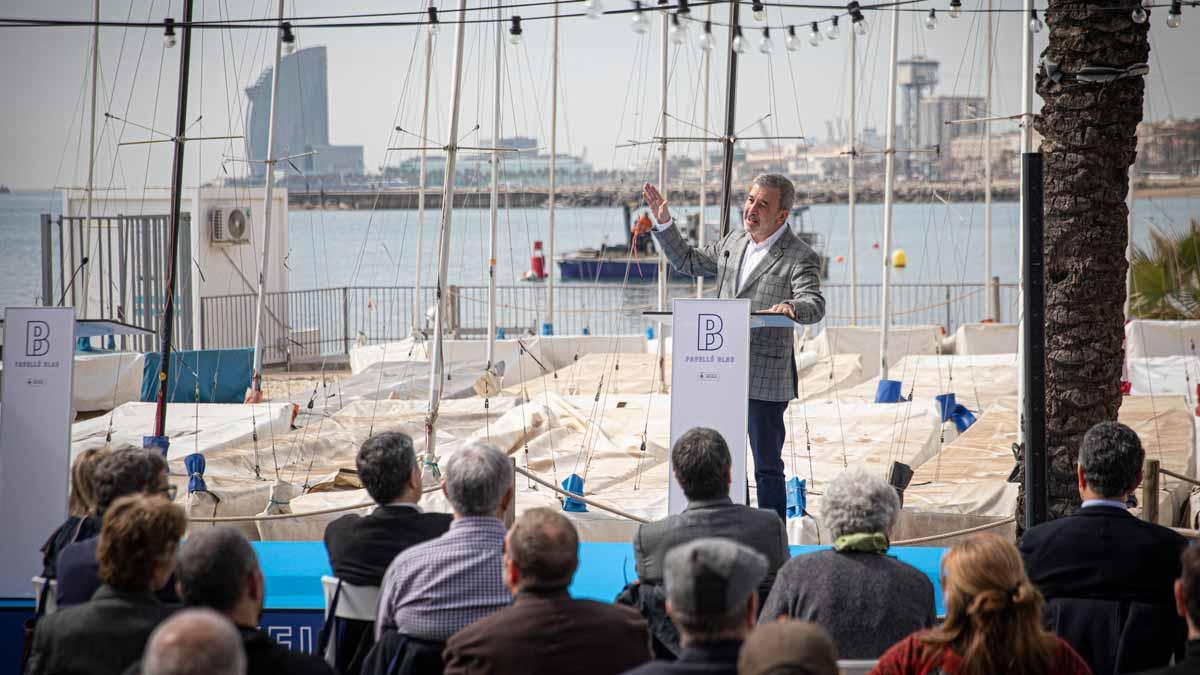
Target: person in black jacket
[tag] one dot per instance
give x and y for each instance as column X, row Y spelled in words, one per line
column 1187, row 605
column 361, row 547
column 1106, row 575
column 136, row 555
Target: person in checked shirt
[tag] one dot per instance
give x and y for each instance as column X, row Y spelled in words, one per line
column 434, row 589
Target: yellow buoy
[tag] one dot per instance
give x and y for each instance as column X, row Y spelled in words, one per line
column 899, row 259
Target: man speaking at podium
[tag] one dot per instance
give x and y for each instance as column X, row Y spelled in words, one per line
column 765, row 262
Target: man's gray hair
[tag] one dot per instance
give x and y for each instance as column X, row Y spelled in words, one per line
column 1111, row 456
column 857, row 502
column 385, row 462
column 195, row 642
column 213, row 566
column 778, row 181
column 476, row 478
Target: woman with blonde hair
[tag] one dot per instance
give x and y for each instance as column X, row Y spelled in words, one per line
column 82, row 520
column 993, row 621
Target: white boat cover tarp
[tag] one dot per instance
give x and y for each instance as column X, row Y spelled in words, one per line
column 864, row 341
column 104, row 380
column 1144, row 337
column 1160, row 375
column 975, row 381
column 973, row 339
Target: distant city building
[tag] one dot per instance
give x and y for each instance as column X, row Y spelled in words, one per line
column 917, row 78
column 526, row 168
column 1168, row 148
column 964, row 157
column 934, row 132
column 302, row 119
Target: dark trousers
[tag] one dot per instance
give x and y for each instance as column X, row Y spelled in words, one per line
column 767, row 432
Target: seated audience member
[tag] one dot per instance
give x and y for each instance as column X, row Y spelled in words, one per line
column 82, row 522
column 711, row 588
column 195, row 642
column 121, row 472
column 435, row 589
column 546, row 631
column 866, row 599
column 1187, row 605
column 702, row 465
column 1106, row 575
column 788, row 648
column 993, row 621
column 361, row 547
column 136, row 555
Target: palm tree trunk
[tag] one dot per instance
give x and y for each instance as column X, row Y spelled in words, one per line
column 1090, row 137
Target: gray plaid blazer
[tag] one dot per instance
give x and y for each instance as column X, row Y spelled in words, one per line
column 789, row 273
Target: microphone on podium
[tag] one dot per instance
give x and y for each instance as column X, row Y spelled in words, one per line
column 721, row 270
column 71, row 282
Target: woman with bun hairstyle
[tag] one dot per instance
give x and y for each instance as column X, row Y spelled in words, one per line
column 993, row 621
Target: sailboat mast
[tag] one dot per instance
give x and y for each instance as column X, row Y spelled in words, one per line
column 437, row 365
column 702, row 230
column 548, row 326
column 416, row 305
column 91, row 185
column 663, row 82
column 730, row 109
column 850, row 177
column 1026, row 146
column 989, row 296
column 168, row 321
column 889, row 186
column 256, row 377
column 491, row 339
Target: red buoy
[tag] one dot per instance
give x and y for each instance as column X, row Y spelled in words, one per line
column 537, row 263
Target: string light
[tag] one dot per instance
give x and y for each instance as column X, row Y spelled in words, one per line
column 857, row 21
column 678, row 30
column 760, row 12
column 955, row 9
column 1139, row 14
column 706, row 38
column 514, row 31
column 791, row 41
column 739, row 42
column 766, row 44
column 289, row 39
column 593, row 8
column 814, row 37
column 831, row 31
column 931, row 20
column 682, row 7
column 169, row 32
column 1175, row 14
column 639, row 23
column 1035, row 24
column 434, row 24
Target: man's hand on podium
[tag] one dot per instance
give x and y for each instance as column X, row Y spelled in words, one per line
column 782, row 308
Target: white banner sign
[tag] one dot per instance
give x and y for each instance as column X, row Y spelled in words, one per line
column 35, row 438
column 710, row 381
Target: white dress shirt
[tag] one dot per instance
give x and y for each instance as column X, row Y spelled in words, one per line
column 751, row 256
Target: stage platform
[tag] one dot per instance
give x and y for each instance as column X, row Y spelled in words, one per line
column 294, row 602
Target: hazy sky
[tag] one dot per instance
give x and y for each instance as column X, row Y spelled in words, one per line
column 609, row 82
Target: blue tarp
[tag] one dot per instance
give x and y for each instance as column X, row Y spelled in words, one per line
column 224, row 376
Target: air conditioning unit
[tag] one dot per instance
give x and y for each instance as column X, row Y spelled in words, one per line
column 229, row 226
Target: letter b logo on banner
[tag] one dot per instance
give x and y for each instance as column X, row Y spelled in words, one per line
column 37, row 338
column 708, row 332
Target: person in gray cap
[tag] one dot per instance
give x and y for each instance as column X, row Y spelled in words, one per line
column 711, row 597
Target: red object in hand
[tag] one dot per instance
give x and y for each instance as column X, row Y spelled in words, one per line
column 537, row 263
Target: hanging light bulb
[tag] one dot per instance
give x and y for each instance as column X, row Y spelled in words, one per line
column 169, row 32
column 434, row 24
column 593, row 8
column 765, row 45
column 514, row 31
column 706, row 37
column 1175, row 15
column 814, row 37
column 858, row 22
column 955, row 9
column 639, row 23
column 1139, row 14
column 931, row 20
column 681, row 7
column 760, row 12
column 1035, row 24
column 678, row 30
column 289, row 39
column 739, row 42
column 792, row 42
column 831, row 31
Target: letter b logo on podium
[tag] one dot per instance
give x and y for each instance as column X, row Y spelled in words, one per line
column 37, row 338
column 708, row 332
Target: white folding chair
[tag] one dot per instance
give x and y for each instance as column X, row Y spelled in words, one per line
column 856, row 666
column 357, row 603
column 45, row 590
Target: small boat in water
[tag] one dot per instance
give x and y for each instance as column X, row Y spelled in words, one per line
column 612, row 263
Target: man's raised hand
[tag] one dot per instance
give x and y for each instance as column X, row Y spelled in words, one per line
column 657, row 203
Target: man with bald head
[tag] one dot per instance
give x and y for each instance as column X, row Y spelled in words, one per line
column 546, row 630
column 195, row 642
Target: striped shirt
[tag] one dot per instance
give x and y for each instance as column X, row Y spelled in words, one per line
column 434, row 589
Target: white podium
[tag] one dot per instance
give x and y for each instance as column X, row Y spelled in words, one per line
column 710, row 377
